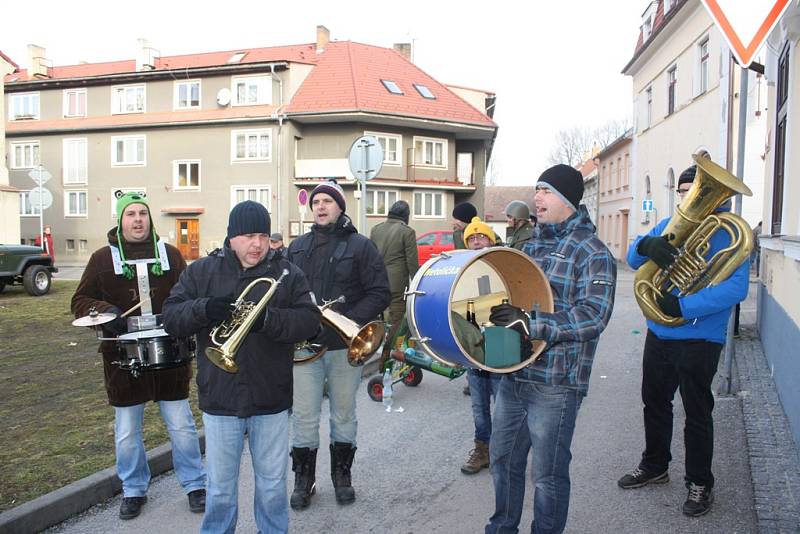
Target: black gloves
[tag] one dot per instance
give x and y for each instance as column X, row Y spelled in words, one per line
column 658, row 249
column 670, row 305
column 512, row 317
column 119, row 325
column 219, row 309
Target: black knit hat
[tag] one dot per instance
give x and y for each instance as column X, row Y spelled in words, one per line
column 248, row 217
column 331, row 188
column 565, row 181
column 687, row 176
column 400, row 210
column 464, row 212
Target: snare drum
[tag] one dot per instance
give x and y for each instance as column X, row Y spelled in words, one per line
column 444, row 285
column 154, row 349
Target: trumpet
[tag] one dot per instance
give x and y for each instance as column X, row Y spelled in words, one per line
column 230, row 334
column 362, row 341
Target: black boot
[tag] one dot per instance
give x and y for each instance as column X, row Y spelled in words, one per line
column 304, row 465
column 341, row 460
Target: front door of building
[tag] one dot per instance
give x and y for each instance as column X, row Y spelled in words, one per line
column 188, row 231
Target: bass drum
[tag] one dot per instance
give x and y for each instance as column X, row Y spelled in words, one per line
column 444, row 284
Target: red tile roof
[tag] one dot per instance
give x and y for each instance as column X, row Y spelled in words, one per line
column 9, row 61
column 658, row 24
column 348, row 77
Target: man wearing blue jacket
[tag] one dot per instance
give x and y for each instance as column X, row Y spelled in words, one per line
column 537, row 406
column 684, row 357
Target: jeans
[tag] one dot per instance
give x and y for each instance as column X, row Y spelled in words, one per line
column 483, row 387
column 688, row 365
column 534, row 415
column 268, row 440
column 132, row 467
column 309, row 379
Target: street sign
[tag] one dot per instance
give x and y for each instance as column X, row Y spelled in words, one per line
column 302, row 197
column 745, row 25
column 46, row 200
column 366, row 157
column 647, row 205
column 40, row 174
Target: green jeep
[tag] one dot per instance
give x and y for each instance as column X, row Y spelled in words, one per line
column 26, row 265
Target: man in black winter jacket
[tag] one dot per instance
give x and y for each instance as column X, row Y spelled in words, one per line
column 255, row 399
column 338, row 261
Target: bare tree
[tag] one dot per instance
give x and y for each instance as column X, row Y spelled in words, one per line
column 574, row 144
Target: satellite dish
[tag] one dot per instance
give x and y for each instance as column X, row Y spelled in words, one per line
column 224, row 96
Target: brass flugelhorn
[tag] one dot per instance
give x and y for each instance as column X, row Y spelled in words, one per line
column 690, row 231
column 230, row 334
column 361, row 341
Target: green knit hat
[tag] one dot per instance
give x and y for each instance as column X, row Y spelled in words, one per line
column 123, row 201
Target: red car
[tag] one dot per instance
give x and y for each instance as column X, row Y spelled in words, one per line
column 431, row 243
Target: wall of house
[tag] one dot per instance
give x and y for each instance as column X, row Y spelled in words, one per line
column 615, row 199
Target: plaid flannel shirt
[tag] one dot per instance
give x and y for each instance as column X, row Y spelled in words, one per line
column 583, row 275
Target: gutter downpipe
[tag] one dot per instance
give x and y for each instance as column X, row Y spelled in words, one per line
column 280, row 117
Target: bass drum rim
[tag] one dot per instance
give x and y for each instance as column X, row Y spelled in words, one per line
column 546, row 306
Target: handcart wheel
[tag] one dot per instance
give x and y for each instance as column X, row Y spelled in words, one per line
column 413, row 378
column 375, row 388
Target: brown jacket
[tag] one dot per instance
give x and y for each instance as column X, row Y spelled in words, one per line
column 102, row 289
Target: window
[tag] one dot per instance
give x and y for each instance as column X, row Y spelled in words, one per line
column 672, row 79
column 83, row 245
column 428, row 205
column 128, row 150
column 392, row 146
column 75, row 161
column 703, row 70
column 141, row 190
column 379, row 202
column 392, row 87
column 446, row 239
column 427, row 240
column 256, row 193
column 252, row 90
column 251, row 145
column 75, row 102
column 25, row 155
column 186, row 175
column 610, row 176
column 648, row 110
column 187, row 94
column 780, row 141
column 24, row 106
column 26, row 207
column 424, row 91
column 75, row 204
column 70, row 245
column 128, row 99
column 431, row 152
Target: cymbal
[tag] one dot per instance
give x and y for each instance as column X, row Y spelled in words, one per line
column 94, row 320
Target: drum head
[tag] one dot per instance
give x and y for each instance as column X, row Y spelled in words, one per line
column 445, row 284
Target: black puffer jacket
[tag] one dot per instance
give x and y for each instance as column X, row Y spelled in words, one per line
column 359, row 273
column 263, row 384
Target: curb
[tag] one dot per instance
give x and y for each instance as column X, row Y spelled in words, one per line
column 59, row 505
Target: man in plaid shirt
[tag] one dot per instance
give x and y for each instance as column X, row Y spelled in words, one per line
column 543, row 398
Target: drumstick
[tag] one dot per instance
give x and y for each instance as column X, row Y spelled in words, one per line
column 136, row 307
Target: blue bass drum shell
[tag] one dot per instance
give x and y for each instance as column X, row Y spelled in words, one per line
column 430, row 300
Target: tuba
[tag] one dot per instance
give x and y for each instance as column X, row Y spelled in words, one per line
column 230, row 334
column 362, row 341
column 691, row 229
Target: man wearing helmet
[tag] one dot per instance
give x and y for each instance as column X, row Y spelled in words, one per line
column 520, row 228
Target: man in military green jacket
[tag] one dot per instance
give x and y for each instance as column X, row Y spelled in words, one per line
column 520, row 228
column 397, row 244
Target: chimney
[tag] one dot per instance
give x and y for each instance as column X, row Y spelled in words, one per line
column 145, row 55
column 38, row 64
column 323, row 38
column 405, row 49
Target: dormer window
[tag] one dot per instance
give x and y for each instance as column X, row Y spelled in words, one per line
column 392, row 87
column 237, row 57
column 424, row 91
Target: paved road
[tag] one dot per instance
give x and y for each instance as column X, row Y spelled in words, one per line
column 407, row 474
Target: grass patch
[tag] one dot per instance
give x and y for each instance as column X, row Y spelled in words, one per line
column 57, row 425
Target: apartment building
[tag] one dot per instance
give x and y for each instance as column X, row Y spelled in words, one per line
column 614, row 195
column 198, row 133
column 9, row 196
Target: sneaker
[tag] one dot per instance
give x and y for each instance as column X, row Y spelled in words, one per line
column 131, row 507
column 197, row 501
column 639, row 477
column 478, row 458
column 699, row 500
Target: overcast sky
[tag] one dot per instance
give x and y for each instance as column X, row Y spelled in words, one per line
column 553, row 65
